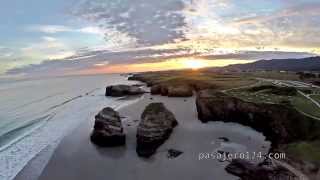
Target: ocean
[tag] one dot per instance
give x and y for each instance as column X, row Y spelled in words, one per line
column 37, row 113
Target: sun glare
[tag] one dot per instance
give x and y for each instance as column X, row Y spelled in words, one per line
column 194, row 64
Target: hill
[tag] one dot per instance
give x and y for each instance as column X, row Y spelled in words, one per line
column 304, row 64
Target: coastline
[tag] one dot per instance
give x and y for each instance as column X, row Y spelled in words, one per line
column 77, row 158
column 78, row 153
column 33, row 149
column 33, row 169
column 296, row 135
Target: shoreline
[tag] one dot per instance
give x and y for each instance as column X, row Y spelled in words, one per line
column 130, row 113
column 77, row 158
column 67, row 114
column 33, row 169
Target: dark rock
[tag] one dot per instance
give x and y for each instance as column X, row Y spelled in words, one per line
column 164, row 90
column 279, row 123
column 171, row 91
column 108, row 130
column 173, row 153
column 156, row 89
column 137, row 85
column 224, row 139
column 155, row 127
column 159, row 89
column 135, row 77
column 179, row 91
column 123, row 90
column 142, row 78
column 249, row 171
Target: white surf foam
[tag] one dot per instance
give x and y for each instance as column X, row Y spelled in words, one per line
column 65, row 118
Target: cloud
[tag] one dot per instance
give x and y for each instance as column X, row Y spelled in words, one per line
column 242, row 24
column 89, row 59
column 49, row 39
column 50, row 29
column 295, row 25
column 53, row 29
column 6, row 52
column 132, row 31
column 48, row 48
column 91, row 30
column 102, row 63
column 148, row 22
column 307, row 9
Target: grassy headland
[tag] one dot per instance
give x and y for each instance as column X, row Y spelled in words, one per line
column 249, row 88
column 198, row 80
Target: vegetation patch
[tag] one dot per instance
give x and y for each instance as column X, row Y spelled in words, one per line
column 305, row 150
column 197, row 80
column 306, row 106
column 316, row 97
column 281, row 91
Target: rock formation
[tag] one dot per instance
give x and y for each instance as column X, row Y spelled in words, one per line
column 263, row 171
column 108, row 130
column 141, row 78
column 173, row 153
column 155, row 127
column 280, row 124
column 179, row 91
column 123, row 90
column 172, row 91
column 159, row 89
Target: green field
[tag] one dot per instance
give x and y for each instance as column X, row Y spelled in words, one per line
column 240, row 85
column 274, row 75
column 309, row 151
column 303, row 104
column 316, row 97
column 199, row 79
column 261, row 95
column 298, row 101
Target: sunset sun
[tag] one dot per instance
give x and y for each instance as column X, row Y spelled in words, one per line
column 194, row 64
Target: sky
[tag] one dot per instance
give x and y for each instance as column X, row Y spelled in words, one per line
column 58, row 37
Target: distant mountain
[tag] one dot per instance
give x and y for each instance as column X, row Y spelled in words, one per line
column 304, row 64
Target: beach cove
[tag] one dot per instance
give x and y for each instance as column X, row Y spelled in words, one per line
column 77, row 158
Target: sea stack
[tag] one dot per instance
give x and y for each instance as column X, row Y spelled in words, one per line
column 108, row 130
column 123, row 90
column 155, row 127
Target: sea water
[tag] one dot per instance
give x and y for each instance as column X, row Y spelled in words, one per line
column 37, row 113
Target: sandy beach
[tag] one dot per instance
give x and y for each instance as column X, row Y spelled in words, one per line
column 77, row 158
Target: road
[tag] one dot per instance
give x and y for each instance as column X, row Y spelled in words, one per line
column 296, row 84
column 309, row 97
column 289, row 83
